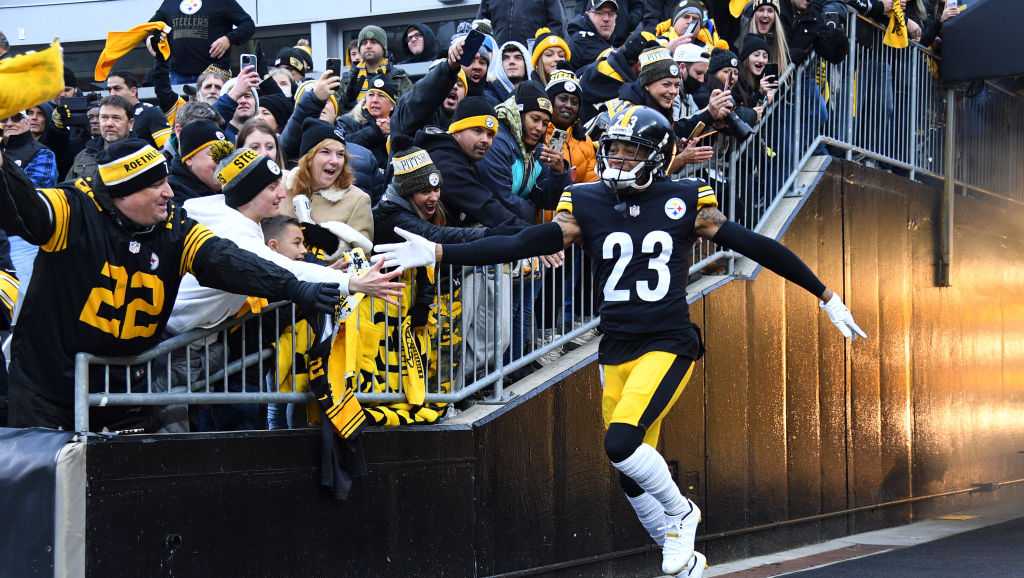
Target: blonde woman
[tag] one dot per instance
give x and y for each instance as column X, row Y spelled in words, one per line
column 761, row 17
column 320, row 189
column 548, row 50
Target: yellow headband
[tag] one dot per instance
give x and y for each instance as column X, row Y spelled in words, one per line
column 484, row 121
column 120, row 170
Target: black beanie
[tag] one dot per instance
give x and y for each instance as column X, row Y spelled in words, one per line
column 243, row 174
column 532, row 98
column 280, row 106
column 562, row 81
column 414, row 170
column 384, row 86
column 294, row 57
column 268, row 87
column 722, row 59
column 129, row 165
column 315, row 131
column 473, row 111
column 197, row 135
column 69, row 77
column 751, row 44
column 656, row 63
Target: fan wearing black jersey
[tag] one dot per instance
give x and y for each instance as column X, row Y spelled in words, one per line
column 639, row 228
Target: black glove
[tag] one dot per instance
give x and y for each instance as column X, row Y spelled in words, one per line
column 323, row 297
column 320, row 238
column 61, row 116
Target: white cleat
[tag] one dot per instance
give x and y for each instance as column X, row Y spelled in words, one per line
column 695, row 569
column 680, row 534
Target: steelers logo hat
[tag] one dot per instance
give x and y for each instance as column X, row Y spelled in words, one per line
column 474, row 112
column 243, row 174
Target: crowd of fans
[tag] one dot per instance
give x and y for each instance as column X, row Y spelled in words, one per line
column 483, row 142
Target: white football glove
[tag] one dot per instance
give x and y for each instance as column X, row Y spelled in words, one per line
column 302, row 209
column 414, row 252
column 842, row 318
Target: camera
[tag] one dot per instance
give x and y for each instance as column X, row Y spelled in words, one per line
column 77, row 108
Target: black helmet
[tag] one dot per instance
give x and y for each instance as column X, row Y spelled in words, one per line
column 644, row 127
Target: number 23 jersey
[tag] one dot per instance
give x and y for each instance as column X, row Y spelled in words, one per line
column 641, row 247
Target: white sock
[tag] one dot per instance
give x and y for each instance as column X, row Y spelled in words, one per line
column 651, row 515
column 648, row 469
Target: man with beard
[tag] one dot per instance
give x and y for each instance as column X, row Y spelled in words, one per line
column 115, row 120
column 373, row 53
column 456, row 152
column 591, row 33
column 693, row 66
column 511, row 68
column 476, row 72
column 433, row 98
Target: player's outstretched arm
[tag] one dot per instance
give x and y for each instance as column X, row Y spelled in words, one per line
column 713, row 225
column 417, row 251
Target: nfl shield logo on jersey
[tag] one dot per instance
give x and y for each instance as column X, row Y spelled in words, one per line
column 675, row 208
column 134, row 247
column 634, row 210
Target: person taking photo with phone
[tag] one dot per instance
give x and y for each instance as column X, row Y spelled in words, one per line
column 755, row 88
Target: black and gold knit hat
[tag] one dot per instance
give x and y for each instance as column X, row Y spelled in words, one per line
column 562, row 81
column 242, row 174
column 474, row 112
column 198, row 135
column 414, row 169
column 130, row 165
column 656, row 63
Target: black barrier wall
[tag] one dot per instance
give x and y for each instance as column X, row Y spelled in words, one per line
column 782, row 420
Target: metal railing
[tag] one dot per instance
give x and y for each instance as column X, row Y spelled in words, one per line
column 475, row 328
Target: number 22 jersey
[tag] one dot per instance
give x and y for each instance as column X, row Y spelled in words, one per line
column 641, row 246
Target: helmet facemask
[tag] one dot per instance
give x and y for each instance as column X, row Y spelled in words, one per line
column 640, row 176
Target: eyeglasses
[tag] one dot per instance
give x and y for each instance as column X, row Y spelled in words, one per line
column 414, row 36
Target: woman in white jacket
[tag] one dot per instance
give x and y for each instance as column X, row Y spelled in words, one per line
column 321, row 190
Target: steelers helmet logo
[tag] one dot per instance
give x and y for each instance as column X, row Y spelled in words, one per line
column 489, row 122
column 673, row 70
column 220, row 135
column 273, row 168
column 434, row 179
column 154, row 262
column 570, row 86
column 734, row 63
column 190, row 7
column 378, row 83
column 675, row 208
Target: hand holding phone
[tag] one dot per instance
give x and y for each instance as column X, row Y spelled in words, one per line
column 474, row 40
column 247, row 60
column 334, row 66
column 557, row 140
column 771, row 70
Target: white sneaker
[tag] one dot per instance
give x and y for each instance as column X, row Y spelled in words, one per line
column 680, row 533
column 695, row 569
column 552, row 356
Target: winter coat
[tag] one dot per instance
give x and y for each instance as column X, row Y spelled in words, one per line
column 350, row 207
column 360, row 128
column 354, row 82
column 393, row 210
column 500, row 86
column 600, row 81
column 586, row 43
column 430, row 49
column 184, row 184
column 468, row 200
column 85, row 161
column 513, row 174
column 192, row 34
column 629, row 14
column 421, row 106
column 519, row 19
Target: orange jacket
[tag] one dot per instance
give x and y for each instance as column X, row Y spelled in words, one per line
column 581, row 154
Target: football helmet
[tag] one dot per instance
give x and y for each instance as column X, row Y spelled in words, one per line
column 655, row 147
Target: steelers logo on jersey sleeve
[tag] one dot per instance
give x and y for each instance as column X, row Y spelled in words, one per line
column 675, row 208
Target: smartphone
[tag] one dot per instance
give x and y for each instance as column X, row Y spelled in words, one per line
column 334, row 65
column 771, row 69
column 557, row 140
column 474, row 40
column 955, row 4
column 696, row 131
column 692, row 28
column 247, row 60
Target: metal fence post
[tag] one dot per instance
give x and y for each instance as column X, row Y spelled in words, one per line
column 946, row 236
column 852, row 85
column 499, row 359
column 915, row 87
column 82, row 393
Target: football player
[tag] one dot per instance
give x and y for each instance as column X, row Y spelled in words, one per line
column 639, row 228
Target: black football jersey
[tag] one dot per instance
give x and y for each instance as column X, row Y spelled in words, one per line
column 97, row 288
column 641, row 246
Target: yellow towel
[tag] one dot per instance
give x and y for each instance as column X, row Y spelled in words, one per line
column 736, row 7
column 29, row 79
column 896, row 33
column 121, row 43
